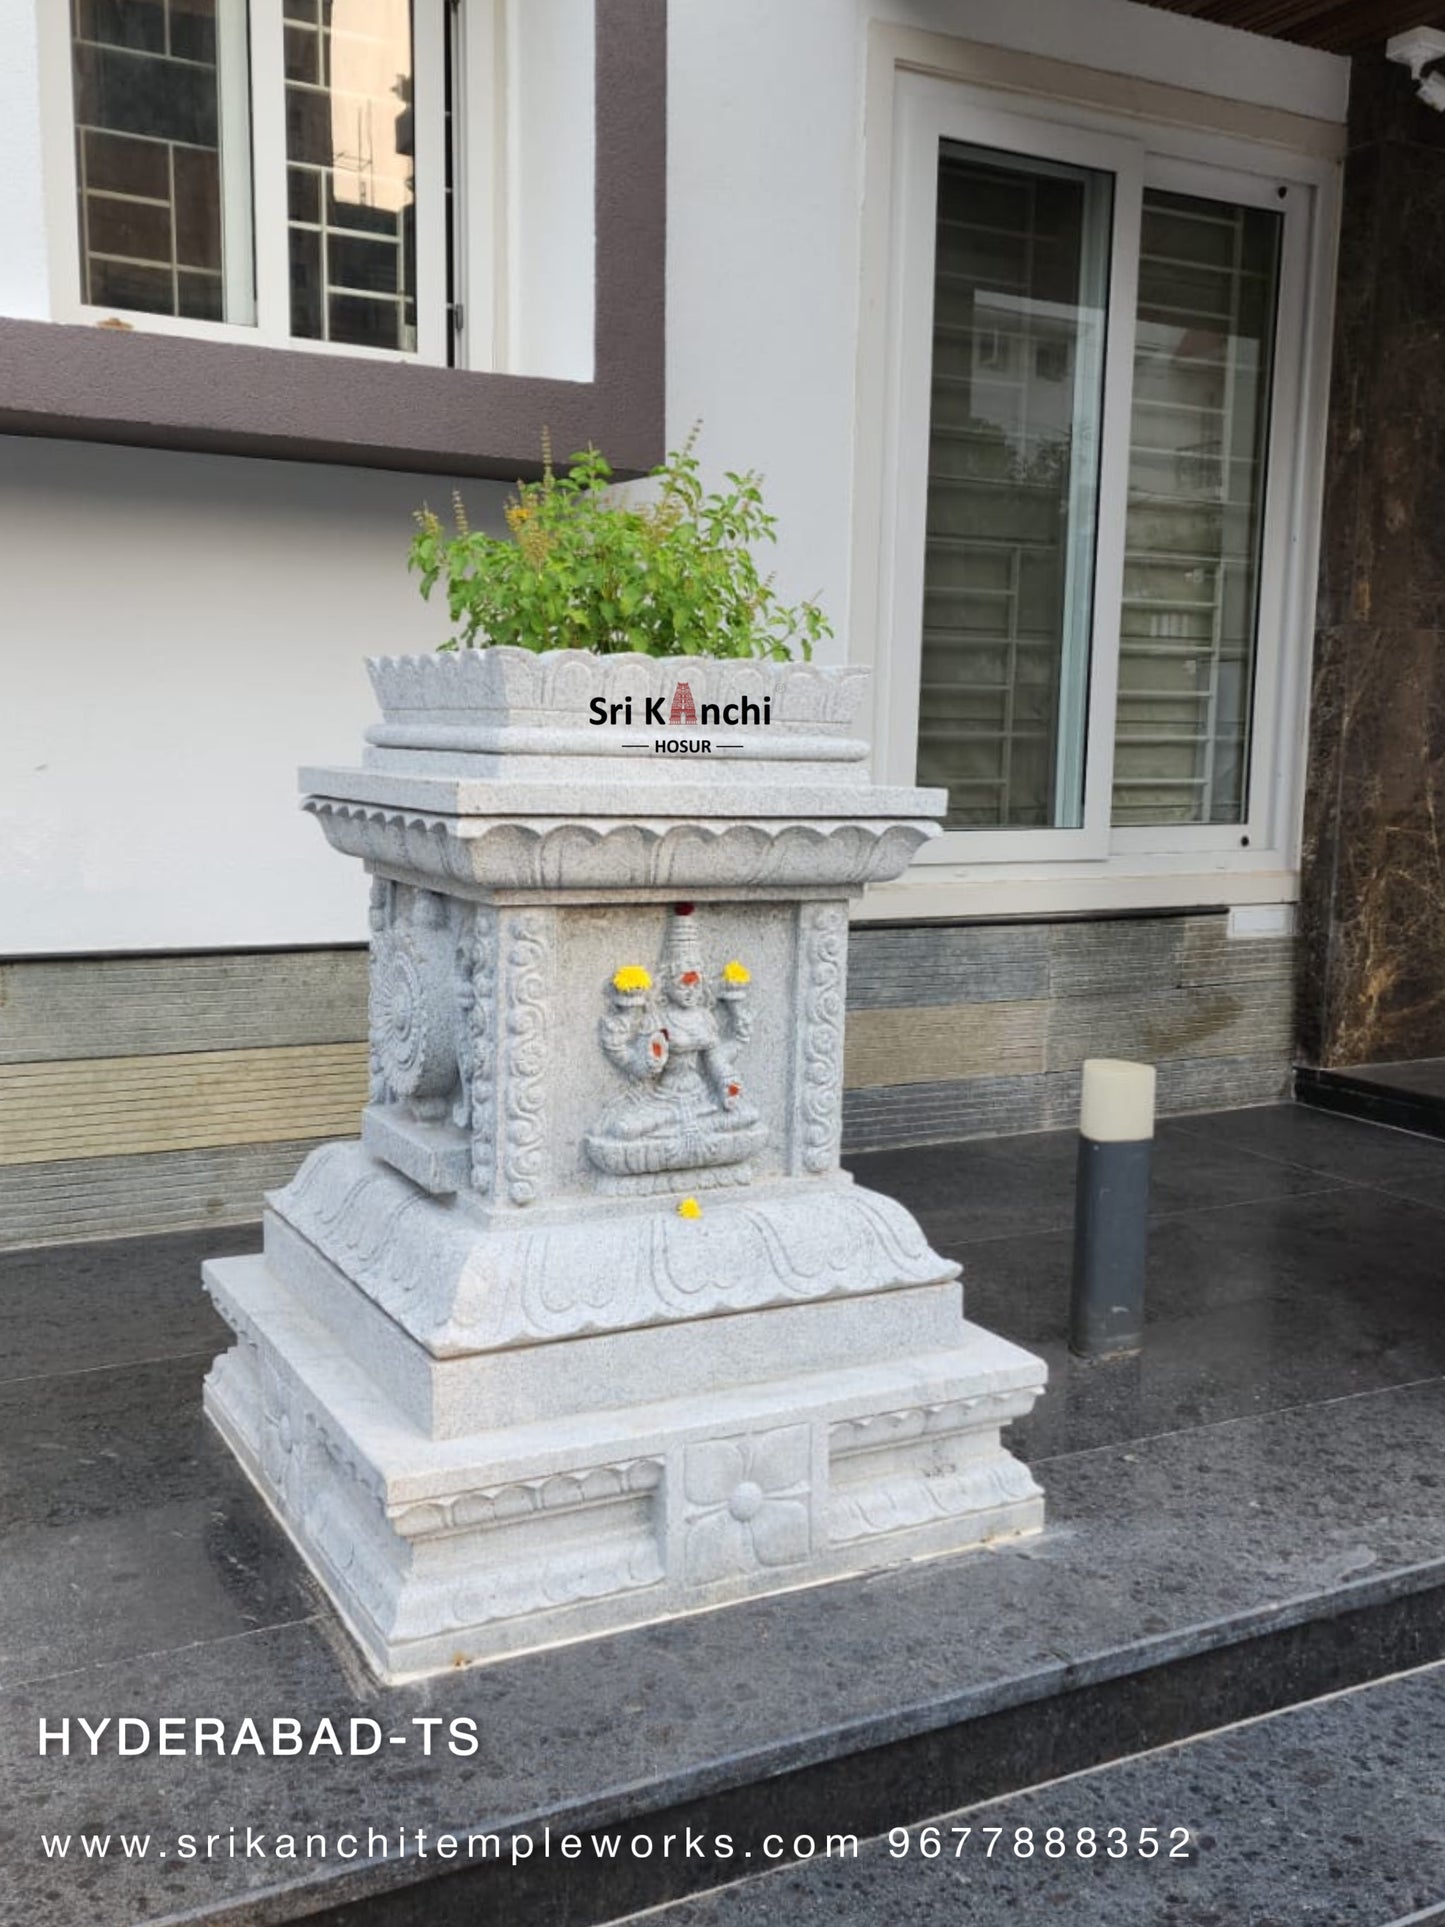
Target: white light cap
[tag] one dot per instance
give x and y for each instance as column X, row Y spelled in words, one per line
column 1117, row 1106
column 1416, row 48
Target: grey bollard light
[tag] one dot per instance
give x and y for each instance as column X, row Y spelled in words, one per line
column 1111, row 1208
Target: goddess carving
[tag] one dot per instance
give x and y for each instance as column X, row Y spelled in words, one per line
column 677, row 1041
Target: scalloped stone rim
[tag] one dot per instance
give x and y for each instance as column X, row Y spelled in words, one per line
column 624, row 854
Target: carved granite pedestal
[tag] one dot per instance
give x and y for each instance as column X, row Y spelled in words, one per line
column 589, row 1328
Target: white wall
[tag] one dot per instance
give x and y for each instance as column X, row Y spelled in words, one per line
column 765, row 137
column 551, row 251
column 179, row 632
column 24, row 288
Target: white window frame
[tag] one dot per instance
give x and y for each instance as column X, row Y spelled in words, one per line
column 1267, row 799
column 932, row 114
column 1099, row 866
column 251, row 62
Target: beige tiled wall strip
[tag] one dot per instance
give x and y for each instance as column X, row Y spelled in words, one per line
column 158, row 1094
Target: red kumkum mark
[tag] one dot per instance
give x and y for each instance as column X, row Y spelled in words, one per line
column 690, row 977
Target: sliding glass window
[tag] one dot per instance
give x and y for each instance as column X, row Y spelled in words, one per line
column 255, row 163
column 1203, row 361
column 1021, row 282
column 162, row 168
column 1020, row 306
column 350, row 174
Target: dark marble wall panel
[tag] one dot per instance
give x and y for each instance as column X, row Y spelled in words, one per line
column 1372, row 926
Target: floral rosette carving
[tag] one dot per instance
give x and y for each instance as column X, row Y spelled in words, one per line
column 748, row 1503
column 377, row 917
column 414, row 1018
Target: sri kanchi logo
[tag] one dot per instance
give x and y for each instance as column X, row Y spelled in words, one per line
column 684, row 711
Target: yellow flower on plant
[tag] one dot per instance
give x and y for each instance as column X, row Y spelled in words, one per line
column 632, row 977
column 737, row 973
column 689, row 1208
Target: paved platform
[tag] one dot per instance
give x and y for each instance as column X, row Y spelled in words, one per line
column 1247, row 1516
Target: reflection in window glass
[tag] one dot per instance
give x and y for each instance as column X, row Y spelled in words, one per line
column 350, row 173
column 148, row 161
column 1208, row 280
column 1020, row 297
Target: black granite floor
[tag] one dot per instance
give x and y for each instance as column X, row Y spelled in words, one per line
column 1295, row 1256
column 1331, row 1814
column 1409, row 1096
column 1423, row 1074
column 1249, row 1513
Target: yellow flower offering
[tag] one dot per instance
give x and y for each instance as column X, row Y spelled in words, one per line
column 689, row 1208
column 736, row 973
column 632, row 977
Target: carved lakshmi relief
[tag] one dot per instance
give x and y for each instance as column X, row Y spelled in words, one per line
column 677, row 1040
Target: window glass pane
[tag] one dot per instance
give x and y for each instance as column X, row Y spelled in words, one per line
column 148, row 154
column 350, row 171
column 1208, row 282
column 1020, row 297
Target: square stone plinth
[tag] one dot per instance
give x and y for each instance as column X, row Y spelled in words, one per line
column 446, row 1551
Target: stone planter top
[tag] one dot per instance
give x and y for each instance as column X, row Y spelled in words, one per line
column 517, row 689
column 506, row 732
column 483, row 708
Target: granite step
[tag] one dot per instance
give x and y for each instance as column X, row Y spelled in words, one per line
column 1186, row 1581
column 1305, row 1818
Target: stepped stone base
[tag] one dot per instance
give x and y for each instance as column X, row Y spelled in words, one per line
column 446, row 1551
